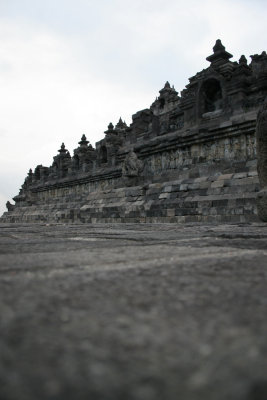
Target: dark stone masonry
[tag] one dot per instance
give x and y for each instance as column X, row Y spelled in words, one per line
column 188, row 158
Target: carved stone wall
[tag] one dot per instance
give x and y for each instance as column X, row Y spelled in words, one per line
column 206, row 132
column 261, row 135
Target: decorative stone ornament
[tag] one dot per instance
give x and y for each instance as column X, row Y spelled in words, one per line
column 9, row 206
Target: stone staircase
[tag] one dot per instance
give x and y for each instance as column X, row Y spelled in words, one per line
column 221, row 197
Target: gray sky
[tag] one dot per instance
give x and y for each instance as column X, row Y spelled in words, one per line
column 70, row 67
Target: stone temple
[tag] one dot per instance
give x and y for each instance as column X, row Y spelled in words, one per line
column 187, row 158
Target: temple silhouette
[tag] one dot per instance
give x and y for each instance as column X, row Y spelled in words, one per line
column 187, row 158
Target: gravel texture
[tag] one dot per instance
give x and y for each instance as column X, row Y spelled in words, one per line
column 133, row 312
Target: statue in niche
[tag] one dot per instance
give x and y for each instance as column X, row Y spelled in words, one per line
column 212, row 103
column 212, row 96
column 261, row 137
column 103, row 155
column 132, row 166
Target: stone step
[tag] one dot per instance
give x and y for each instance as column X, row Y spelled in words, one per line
column 222, row 197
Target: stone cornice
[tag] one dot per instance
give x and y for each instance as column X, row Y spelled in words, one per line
column 179, row 139
column 67, row 182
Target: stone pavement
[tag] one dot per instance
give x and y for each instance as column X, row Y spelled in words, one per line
column 133, row 312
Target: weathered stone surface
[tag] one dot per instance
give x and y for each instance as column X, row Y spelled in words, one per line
column 138, row 312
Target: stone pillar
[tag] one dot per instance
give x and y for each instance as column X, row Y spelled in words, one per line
column 261, row 136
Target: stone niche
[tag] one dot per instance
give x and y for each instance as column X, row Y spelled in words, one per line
column 211, row 99
column 103, row 155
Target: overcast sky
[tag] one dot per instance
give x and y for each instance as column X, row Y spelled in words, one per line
column 69, row 67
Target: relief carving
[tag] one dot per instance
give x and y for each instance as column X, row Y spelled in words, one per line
column 132, row 166
column 261, row 136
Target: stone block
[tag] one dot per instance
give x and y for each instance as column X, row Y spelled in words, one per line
column 214, row 191
column 200, row 179
column 154, row 196
column 187, row 181
column 191, row 204
column 175, row 188
column 139, row 202
column 192, row 218
column 217, row 184
column 204, row 203
column 225, row 176
column 252, row 173
column 147, row 204
column 240, row 175
column 176, row 182
column 131, row 199
column 202, row 192
column 251, row 163
column 212, row 178
column 239, row 210
column 204, row 185
column 193, row 186
column 167, row 189
column 226, row 124
column 219, row 203
column 153, row 190
column 173, row 195
column 184, row 187
column 247, row 181
column 133, row 192
column 154, row 186
column 164, row 196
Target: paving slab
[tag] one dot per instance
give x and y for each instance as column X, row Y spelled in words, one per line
column 133, row 312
